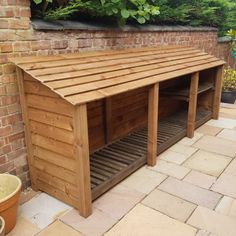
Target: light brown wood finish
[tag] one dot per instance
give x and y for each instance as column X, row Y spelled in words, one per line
column 217, row 93
column 152, row 124
column 30, row 158
column 91, row 77
column 192, row 106
column 81, row 151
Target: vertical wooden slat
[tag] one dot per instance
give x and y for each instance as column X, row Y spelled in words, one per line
column 152, row 124
column 192, row 107
column 20, row 80
column 82, row 159
column 217, row 93
column 108, row 125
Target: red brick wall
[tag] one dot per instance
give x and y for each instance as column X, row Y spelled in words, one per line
column 17, row 38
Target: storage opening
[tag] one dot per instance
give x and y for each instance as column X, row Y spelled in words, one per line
column 123, row 140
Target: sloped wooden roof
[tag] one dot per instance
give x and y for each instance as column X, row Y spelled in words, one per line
column 85, row 77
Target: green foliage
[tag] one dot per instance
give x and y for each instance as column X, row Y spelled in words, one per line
column 121, row 10
column 216, row 13
column 229, row 80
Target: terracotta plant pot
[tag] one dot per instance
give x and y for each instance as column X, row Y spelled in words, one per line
column 10, row 187
column 2, row 226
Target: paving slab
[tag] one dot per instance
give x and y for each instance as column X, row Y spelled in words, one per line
column 118, row 201
column 143, row 220
column 191, row 193
column 225, row 123
column 226, row 184
column 217, row 145
column 228, row 134
column 95, row 225
column 186, row 150
column 143, row 180
column 227, row 206
column 42, row 210
column 170, row 205
column 58, row 228
column 175, row 157
column 208, row 162
column 190, row 141
column 24, row 228
column 200, row 179
column 209, row 130
column 170, row 169
column 213, row 222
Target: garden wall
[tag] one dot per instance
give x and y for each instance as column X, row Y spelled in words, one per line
column 18, row 38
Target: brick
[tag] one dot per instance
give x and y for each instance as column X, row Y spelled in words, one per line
column 62, row 44
column 12, row 119
column 2, row 90
column 13, row 108
column 6, row 167
column 25, row 12
column 6, row 47
column 8, row 68
column 3, row 24
column 15, row 154
column 18, row 24
column 40, row 45
column 12, row 89
column 21, row 46
column 5, row 149
column 5, row 130
column 16, row 136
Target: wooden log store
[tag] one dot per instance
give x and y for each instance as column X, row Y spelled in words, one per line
column 91, row 119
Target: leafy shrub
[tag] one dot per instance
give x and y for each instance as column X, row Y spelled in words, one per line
column 229, row 83
column 217, row 13
column 121, row 10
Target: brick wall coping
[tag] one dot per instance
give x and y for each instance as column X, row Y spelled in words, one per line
column 224, row 39
column 75, row 25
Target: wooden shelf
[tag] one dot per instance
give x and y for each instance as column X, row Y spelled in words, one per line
column 116, row 161
column 183, row 93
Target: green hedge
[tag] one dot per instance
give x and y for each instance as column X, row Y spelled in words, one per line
column 217, row 13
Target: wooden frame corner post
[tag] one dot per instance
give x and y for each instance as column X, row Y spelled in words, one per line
column 153, row 98
column 192, row 106
column 30, row 156
column 217, row 92
column 82, row 159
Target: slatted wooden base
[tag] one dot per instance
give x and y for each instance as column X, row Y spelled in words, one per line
column 116, row 161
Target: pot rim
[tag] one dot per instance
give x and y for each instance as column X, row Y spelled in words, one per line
column 15, row 191
column 3, row 224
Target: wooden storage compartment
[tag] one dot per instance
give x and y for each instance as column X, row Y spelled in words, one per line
column 91, row 119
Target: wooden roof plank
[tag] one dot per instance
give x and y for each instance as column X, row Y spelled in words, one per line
column 92, row 62
column 125, row 87
column 37, row 59
column 94, row 68
column 136, row 73
column 85, row 77
column 124, row 79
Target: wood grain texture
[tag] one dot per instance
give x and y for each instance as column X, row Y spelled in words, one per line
column 217, row 94
column 30, row 157
column 192, row 106
column 85, row 77
column 81, row 153
column 152, row 124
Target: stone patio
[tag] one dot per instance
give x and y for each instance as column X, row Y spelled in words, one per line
column 191, row 191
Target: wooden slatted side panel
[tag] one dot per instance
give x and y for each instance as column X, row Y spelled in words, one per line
column 51, row 131
column 128, row 112
column 96, row 125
